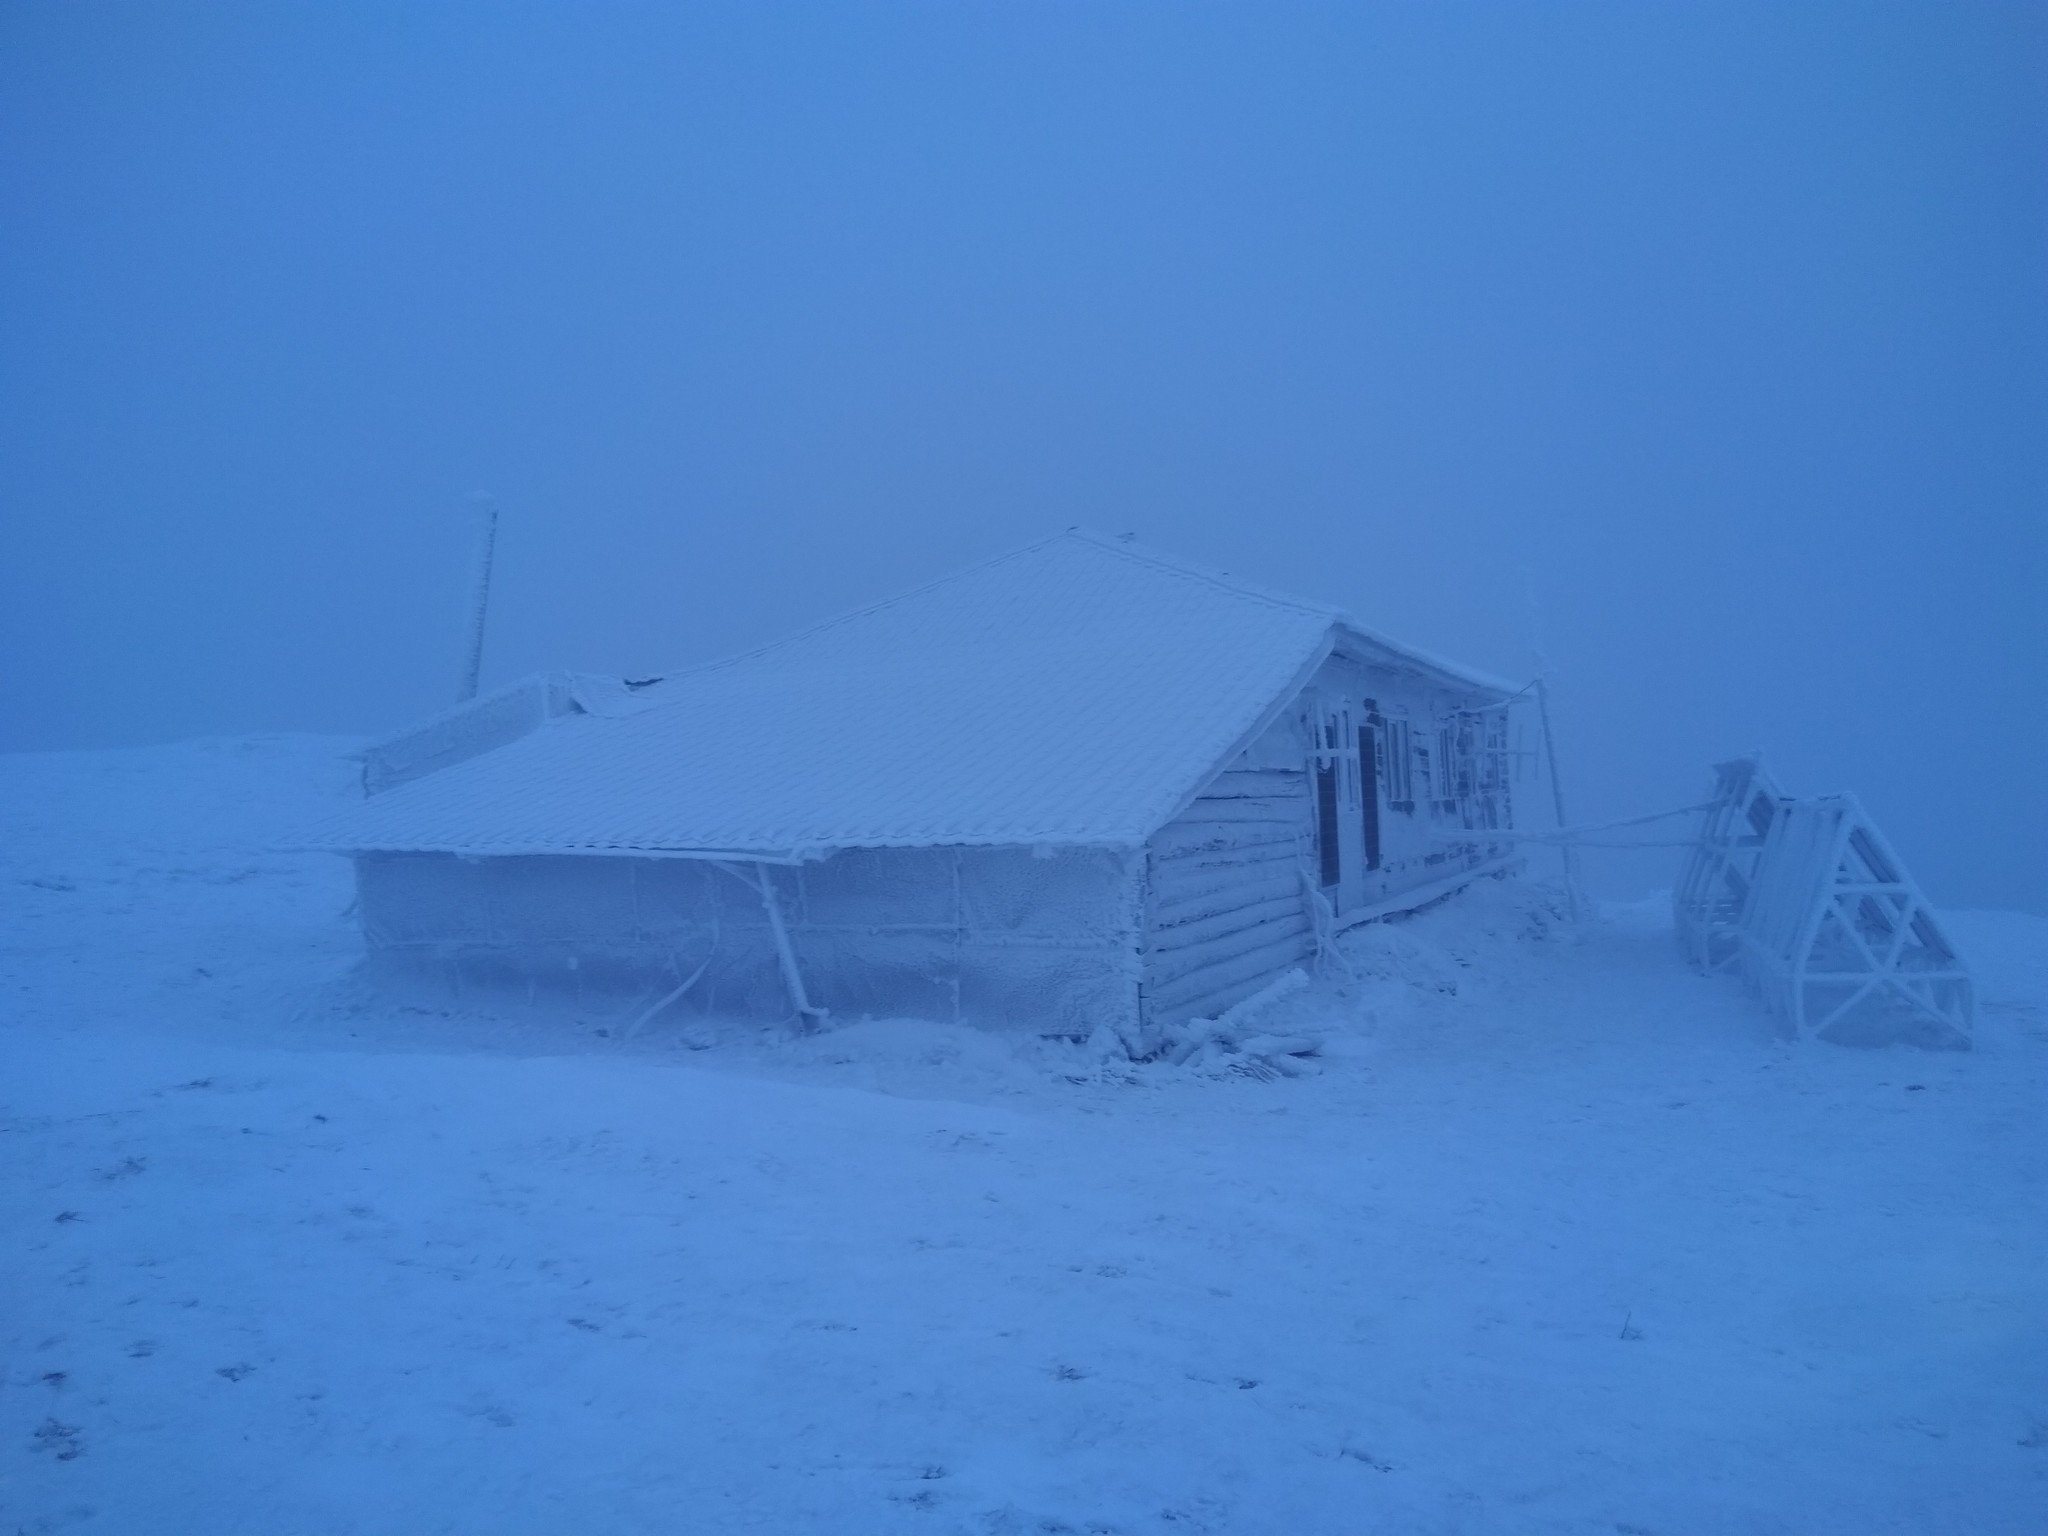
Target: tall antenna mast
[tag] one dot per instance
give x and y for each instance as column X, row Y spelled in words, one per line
column 486, row 508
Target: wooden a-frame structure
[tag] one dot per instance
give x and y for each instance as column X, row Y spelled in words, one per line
column 1714, row 886
column 1810, row 903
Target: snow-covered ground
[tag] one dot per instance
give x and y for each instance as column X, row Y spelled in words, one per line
column 1560, row 1239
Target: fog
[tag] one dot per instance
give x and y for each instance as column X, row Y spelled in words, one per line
column 1699, row 349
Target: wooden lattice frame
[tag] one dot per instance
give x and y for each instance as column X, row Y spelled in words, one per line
column 1836, row 937
column 1714, row 887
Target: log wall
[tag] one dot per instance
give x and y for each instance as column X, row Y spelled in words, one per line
column 1225, row 905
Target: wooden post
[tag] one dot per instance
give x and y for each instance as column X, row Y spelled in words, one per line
column 1571, row 854
column 763, row 884
column 1573, row 901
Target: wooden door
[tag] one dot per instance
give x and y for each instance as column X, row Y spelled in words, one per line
column 1334, row 771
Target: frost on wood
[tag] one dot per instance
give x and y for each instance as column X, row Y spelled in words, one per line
column 1714, row 886
column 1233, row 1040
column 1838, row 939
column 1818, row 913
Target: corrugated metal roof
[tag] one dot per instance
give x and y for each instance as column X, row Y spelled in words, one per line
column 1075, row 692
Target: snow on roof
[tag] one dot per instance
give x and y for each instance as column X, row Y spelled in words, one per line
column 1078, row 691
column 494, row 720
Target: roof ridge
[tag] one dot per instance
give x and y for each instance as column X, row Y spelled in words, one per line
column 1133, row 553
column 851, row 614
column 1123, row 549
column 1338, row 618
column 1145, row 554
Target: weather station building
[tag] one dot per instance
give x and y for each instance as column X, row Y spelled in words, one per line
column 1082, row 787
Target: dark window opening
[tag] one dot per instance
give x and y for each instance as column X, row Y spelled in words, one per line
column 1369, row 793
column 1326, row 821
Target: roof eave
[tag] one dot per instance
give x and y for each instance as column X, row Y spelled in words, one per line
column 1372, row 647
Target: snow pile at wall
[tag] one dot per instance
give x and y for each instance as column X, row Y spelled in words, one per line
column 1461, row 956
column 1477, row 944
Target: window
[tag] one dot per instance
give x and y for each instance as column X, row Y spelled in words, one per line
column 1369, row 791
column 1399, row 748
column 1472, row 768
column 1447, row 767
column 1326, row 820
column 1333, row 763
column 1495, row 772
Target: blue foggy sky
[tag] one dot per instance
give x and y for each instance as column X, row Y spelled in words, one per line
column 1719, row 328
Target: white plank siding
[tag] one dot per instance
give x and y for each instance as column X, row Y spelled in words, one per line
column 1225, row 907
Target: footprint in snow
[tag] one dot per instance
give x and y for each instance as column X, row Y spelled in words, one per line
column 58, row 1439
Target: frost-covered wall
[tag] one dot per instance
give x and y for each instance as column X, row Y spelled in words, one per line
column 1004, row 937
column 1373, row 783
column 1440, row 776
column 1226, row 907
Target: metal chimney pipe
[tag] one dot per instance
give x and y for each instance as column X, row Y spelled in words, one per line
column 480, row 595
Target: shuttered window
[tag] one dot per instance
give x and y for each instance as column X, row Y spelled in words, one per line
column 1369, row 793
column 1400, row 765
column 1326, row 821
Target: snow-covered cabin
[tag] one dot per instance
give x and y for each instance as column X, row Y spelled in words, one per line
column 1082, row 786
